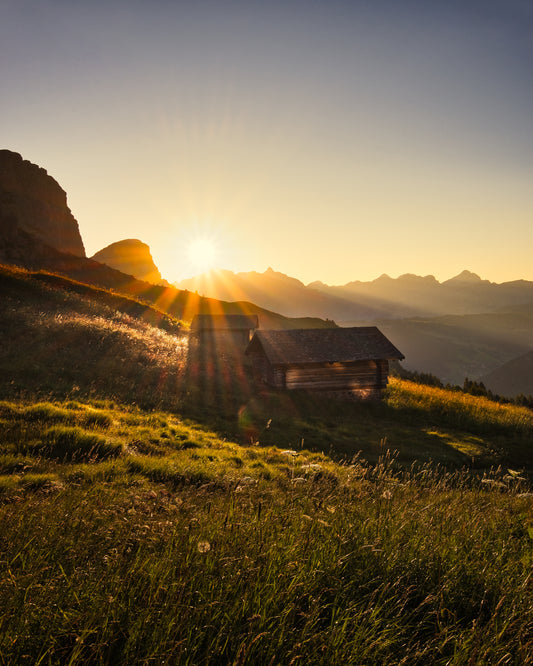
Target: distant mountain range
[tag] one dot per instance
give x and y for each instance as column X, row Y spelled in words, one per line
column 386, row 297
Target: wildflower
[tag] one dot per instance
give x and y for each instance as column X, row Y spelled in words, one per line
column 387, row 494
column 204, row 546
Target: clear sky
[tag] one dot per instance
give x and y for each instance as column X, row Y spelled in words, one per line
column 330, row 140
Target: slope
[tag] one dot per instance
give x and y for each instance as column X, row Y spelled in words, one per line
column 512, row 378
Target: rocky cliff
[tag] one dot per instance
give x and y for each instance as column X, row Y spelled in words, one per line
column 34, row 206
column 132, row 257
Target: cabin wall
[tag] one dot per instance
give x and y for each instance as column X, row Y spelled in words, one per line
column 338, row 376
column 360, row 380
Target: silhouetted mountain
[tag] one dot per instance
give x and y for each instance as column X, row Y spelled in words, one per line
column 412, row 295
column 279, row 292
column 407, row 296
column 464, row 294
column 466, row 277
column 132, row 257
column 33, row 202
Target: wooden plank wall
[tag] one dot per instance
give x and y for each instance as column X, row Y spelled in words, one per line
column 338, row 376
column 323, row 377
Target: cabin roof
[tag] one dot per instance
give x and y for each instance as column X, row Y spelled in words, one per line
column 208, row 322
column 318, row 345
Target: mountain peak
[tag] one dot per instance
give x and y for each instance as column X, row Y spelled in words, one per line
column 411, row 277
column 130, row 256
column 383, row 278
column 465, row 276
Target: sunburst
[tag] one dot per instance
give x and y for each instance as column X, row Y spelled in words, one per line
column 202, row 253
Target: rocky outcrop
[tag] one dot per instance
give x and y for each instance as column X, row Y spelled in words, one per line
column 34, row 206
column 132, row 257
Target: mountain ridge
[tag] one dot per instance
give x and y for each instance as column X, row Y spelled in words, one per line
column 385, row 297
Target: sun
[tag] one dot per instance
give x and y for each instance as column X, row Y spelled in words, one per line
column 202, row 253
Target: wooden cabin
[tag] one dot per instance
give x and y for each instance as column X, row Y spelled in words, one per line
column 237, row 329
column 346, row 362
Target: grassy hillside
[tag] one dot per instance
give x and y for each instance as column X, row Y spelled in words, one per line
column 61, row 338
column 156, row 506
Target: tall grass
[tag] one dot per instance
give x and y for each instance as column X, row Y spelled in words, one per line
column 378, row 569
column 188, row 548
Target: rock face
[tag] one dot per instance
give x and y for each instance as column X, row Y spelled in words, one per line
column 132, row 257
column 33, row 206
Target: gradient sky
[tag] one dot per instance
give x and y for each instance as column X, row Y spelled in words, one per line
column 330, row 140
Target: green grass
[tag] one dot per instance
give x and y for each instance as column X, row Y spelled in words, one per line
column 215, row 552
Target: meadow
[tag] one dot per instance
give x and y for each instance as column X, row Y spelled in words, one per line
column 138, row 537
column 158, row 507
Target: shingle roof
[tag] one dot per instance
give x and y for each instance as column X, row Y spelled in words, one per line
column 207, row 322
column 331, row 345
